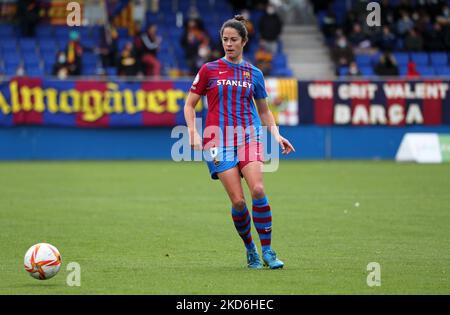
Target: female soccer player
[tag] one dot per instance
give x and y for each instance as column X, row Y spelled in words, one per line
column 236, row 93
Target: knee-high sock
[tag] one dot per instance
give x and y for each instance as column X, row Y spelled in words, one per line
column 242, row 222
column 262, row 218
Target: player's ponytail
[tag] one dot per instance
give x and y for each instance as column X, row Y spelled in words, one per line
column 239, row 24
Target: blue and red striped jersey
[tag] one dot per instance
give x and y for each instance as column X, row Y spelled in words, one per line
column 230, row 90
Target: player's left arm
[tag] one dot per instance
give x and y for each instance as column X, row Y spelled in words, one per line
column 268, row 120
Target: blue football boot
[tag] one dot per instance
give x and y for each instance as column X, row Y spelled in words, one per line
column 270, row 259
column 253, row 260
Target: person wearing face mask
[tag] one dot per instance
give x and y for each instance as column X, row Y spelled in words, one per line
column 60, row 67
column 270, row 27
column 353, row 69
column 342, row 53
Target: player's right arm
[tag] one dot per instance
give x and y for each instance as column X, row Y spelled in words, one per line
column 198, row 89
column 189, row 115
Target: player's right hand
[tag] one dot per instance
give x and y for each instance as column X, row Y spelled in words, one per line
column 195, row 141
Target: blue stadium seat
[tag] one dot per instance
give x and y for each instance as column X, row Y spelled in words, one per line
column 89, row 70
column 62, row 31
column 282, row 72
column 10, row 69
column 368, row 70
column 28, row 45
column 48, row 68
column 151, row 18
column 426, row 71
column 44, row 31
column 62, row 44
column 420, row 58
column 438, row 59
column 111, row 71
column 85, row 32
column 31, row 58
column 343, row 71
column 8, row 46
column 89, row 56
column 363, row 60
column 279, row 61
column 11, row 57
column 34, row 71
column 89, row 43
column 47, row 43
column 123, row 32
column 442, row 70
column 49, row 54
column 402, row 70
column 402, row 58
column 7, row 30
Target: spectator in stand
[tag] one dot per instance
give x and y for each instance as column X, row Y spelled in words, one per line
column 195, row 42
column 329, row 26
column 444, row 17
column 60, row 67
column 358, row 39
column 147, row 46
column 350, row 20
column 403, row 7
column 413, row 41
column 28, row 17
column 342, row 53
column 387, row 14
column 353, row 69
column 128, row 63
column 432, row 7
column 108, row 49
column 387, row 40
column 387, row 65
column 423, row 24
column 74, row 54
column 434, row 39
column 250, row 29
column 404, row 24
column 444, row 20
column 263, row 59
column 412, row 72
column 270, row 27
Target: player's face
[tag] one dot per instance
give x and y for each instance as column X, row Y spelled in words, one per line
column 232, row 43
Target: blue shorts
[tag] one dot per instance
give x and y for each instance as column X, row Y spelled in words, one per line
column 220, row 159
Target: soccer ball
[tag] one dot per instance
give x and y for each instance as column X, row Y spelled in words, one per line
column 42, row 261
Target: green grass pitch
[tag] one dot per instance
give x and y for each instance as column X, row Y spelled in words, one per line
column 165, row 228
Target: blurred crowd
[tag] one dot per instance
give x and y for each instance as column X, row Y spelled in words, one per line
column 407, row 26
column 139, row 55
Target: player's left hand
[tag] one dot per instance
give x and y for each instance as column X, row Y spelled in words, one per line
column 286, row 146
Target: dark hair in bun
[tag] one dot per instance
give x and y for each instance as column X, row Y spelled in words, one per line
column 238, row 23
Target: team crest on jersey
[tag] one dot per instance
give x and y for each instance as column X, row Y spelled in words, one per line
column 246, row 74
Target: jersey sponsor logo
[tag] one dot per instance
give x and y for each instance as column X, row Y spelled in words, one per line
column 222, row 72
column 234, row 83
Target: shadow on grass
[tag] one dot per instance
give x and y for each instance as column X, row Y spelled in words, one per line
column 37, row 285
